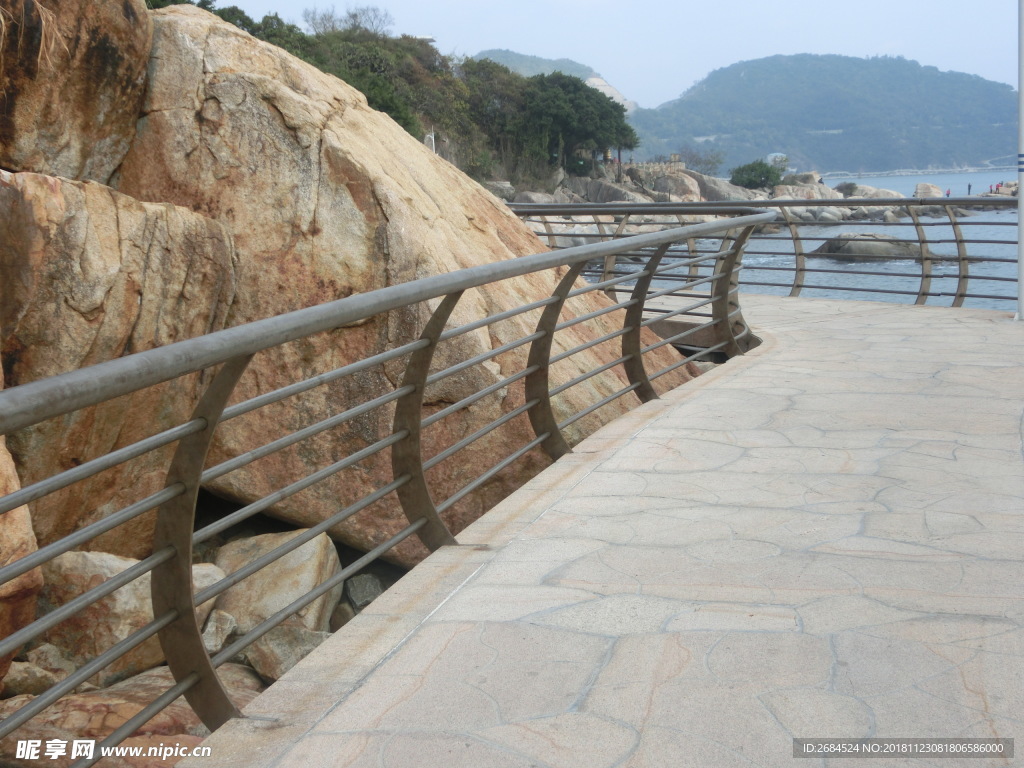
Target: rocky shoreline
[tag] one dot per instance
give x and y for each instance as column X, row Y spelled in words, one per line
column 674, row 183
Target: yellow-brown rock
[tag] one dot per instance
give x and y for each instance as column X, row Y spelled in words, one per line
column 18, row 596
column 91, row 275
column 326, row 198
column 97, row 714
column 72, row 77
column 111, row 619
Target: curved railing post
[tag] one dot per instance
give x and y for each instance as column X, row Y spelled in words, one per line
column 550, row 232
column 926, row 258
column 406, row 455
column 610, row 261
column 632, row 323
column 725, row 307
column 538, row 382
column 799, row 259
column 171, row 584
column 963, row 265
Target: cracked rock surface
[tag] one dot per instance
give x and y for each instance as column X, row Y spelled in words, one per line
column 326, row 198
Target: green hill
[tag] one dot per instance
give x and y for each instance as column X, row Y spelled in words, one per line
column 838, row 113
column 528, row 66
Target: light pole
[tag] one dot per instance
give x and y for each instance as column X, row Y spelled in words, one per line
column 1020, row 159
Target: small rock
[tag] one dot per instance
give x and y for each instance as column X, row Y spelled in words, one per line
column 267, row 591
column 50, row 658
column 343, row 613
column 219, row 626
column 27, row 678
column 104, row 623
column 282, row 648
column 362, row 589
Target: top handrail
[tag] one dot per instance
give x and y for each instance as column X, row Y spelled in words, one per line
column 31, row 403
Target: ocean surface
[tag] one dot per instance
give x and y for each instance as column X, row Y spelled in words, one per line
column 993, row 268
column 955, row 182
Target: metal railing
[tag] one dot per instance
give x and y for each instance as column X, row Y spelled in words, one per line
column 707, row 304
column 954, row 251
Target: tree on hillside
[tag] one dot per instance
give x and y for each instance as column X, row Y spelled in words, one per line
column 567, row 116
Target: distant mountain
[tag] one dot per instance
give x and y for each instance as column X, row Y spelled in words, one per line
column 838, row 113
column 528, row 66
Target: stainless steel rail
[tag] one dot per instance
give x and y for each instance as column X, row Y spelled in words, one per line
column 960, row 250
column 226, row 354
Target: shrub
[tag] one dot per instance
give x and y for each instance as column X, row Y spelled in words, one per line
column 756, row 175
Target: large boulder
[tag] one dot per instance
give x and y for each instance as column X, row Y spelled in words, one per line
column 89, row 275
column 852, row 189
column 715, row 190
column 805, row 192
column 270, row 589
column 96, row 714
column 680, row 186
column 18, row 596
column 604, row 191
column 73, row 77
column 111, row 619
column 325, row 198
column 925, row 190
column 857, row 246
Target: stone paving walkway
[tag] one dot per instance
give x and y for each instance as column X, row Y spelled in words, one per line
column 824, row 538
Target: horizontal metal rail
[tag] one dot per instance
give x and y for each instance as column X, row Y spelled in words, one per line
column 961, row 248
column 224, row 356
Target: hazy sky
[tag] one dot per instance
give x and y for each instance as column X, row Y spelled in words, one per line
column 656, row 50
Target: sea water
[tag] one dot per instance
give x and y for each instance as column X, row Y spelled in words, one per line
column 996, row 280
column 955, row 181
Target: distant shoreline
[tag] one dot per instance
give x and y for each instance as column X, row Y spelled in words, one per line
column 913, row 172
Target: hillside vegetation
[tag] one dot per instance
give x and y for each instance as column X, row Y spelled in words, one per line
column 838, row 113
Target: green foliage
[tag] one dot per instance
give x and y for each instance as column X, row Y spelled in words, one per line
column 756, row 175
column 838, row 113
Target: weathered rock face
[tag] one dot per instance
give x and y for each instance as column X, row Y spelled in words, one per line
column 868, row 245
column 114, row 617
column 602, row 191
column 681, row 187
column 17, row 597
column 324, row 198
column 719, row 190
column 806, row 192
column 851, row 189
column 97, row 714
column 73, row 78
column 91, row 275
column 924, row 189
column 269, row 590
